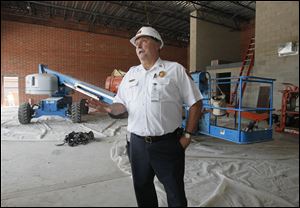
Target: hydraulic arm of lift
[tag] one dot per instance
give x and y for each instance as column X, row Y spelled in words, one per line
column 80, row 86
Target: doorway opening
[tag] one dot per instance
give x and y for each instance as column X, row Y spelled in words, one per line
column 10, row 91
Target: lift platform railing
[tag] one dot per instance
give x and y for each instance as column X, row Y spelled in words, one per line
column 238, row 134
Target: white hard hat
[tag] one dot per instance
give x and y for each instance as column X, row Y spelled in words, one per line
column 147, row 31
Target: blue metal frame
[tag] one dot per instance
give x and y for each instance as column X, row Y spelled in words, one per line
column 49, row 107
column 233, row 135
column 88, row 89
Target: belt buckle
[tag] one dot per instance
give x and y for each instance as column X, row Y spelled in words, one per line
column 148, row 139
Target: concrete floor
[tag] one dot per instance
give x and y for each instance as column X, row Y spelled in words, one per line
column 42, row 174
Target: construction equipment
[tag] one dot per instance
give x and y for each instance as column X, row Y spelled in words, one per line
column 247, row 66
column 240, row 132
column 113, row 81
column 288, row 109
column 59, row 87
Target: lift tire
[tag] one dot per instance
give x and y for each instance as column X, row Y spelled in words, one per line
column 75, row 113
column 25, row 113
column 83, row 107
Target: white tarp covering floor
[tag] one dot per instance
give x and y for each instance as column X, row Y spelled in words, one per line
column 218, row 173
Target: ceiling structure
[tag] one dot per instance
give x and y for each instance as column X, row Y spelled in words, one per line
column 170, row 18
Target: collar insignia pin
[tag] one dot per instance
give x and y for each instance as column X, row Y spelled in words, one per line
column 162, row 74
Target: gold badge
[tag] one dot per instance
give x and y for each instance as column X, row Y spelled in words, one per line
column 162, row 74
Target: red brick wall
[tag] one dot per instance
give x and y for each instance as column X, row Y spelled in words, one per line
column 86, row 56
column 248, row 31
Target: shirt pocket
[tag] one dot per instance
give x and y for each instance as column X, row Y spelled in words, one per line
column 163, row 87
column 132, row 90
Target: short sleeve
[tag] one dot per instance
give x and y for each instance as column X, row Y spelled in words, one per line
column 121, row 95
column 189, row 92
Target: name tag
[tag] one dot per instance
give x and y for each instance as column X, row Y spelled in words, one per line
column 132, row 83
column 154, row 93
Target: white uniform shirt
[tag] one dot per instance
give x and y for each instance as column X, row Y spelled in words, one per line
column 154, row 97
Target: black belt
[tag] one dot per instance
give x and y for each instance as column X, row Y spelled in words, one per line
column 151, row 139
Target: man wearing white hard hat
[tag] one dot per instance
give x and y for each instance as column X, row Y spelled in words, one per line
column 152, row 94
column 150, row 32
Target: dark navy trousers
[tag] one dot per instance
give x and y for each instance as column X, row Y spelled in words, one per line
column 165, row 159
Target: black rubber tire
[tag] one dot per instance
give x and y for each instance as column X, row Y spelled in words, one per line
column 25, row 113
column 75, row 113
column 84, row 108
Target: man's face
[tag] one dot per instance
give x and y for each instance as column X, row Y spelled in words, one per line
column 146, row 48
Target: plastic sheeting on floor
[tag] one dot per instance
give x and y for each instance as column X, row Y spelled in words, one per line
column 218, row 173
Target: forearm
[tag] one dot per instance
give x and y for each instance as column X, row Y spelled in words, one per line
column 194, row 116
column 117, row 110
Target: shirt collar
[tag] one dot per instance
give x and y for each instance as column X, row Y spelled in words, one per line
column 157, row 66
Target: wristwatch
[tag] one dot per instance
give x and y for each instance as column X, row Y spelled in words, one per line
column 187, row 135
